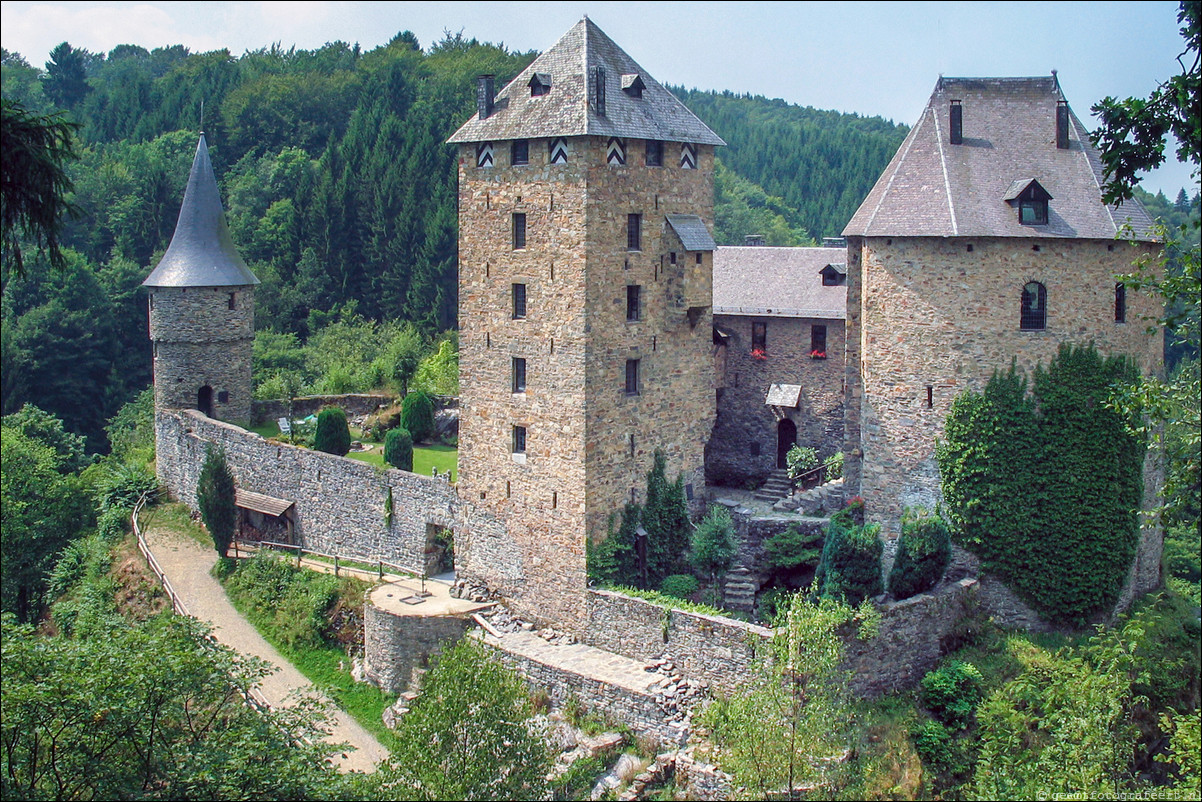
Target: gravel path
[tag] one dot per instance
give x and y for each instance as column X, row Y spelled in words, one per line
column 187, row 564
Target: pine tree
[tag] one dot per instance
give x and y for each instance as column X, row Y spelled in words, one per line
column 215, row 497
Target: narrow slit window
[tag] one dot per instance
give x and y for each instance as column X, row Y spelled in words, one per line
column 519, row 231
column 519, row 439
column 632, row 377
column 634, row 232
column 519, row 301
column 633, row 306
column 1120, row 303
column 519, row 374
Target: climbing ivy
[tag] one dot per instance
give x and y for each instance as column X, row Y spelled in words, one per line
column 1045, row 485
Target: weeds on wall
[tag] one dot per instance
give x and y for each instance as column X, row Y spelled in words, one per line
column 1045, row 485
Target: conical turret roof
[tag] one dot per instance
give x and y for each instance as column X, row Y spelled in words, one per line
column 201, row 253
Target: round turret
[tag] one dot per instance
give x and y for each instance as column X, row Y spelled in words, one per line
column 202, row 309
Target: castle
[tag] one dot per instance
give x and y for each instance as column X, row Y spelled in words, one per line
column 592, row 332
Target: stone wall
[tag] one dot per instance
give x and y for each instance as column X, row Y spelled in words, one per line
column 941, row 315
column 717, row 650
column 203, row 337
column 394, row 645
column 640, row 711
column 354, row 404
column 910, row 640
column 340, row 502
column 743, row 447
column 586, row 442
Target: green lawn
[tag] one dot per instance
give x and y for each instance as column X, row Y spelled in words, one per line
column 425, row 458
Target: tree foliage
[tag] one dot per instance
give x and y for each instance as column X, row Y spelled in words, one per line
column 1045, row 487
column 333, row 435
column 467, row 735
column 712, row 547
column 850, row 567
column 398, row 448
column 924, row 550
column 665, row 518
column 417, row 415
column 215, row 498
column 150, row 712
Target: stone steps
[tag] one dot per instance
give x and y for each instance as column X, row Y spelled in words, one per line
column 776, row 487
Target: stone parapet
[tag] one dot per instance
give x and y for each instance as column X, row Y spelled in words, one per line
column 394, row 645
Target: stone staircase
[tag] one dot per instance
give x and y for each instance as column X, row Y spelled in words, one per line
column 739, row 591
column 777, row 487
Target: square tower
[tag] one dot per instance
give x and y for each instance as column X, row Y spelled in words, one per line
column 585, row 270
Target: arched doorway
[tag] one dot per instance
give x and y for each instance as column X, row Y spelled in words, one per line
column 204, row 400
column 786, row 438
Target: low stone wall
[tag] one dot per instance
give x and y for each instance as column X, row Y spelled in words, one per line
column 394, row 645
column 639, row 711
column 717, row 650
column 341, row 504
column 909, row 642
column 353, row 404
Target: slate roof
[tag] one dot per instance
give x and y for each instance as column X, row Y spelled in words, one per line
column 777, row 282
column 691, row 230
column 933, row 188
column 201, row 253
column 566, row 109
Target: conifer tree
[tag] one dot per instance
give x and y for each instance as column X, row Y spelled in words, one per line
column 333, row 436
column 215, row 497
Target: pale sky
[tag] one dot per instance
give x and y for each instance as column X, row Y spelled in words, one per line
column 871, row 58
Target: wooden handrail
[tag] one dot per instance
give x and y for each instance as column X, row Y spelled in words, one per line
column 301, row 551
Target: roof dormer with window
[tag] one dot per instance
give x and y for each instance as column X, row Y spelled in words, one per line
column 1031, row 200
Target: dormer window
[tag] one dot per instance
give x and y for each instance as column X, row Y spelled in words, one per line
column 1031, row 200
column 632, row 84
column 540, row 84
column 834, row 275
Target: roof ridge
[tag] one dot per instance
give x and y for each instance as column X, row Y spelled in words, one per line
column 947, row 184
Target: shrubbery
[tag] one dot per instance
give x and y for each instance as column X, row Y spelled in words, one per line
column 712, row 547
column 294, row 599
column 799, row 460
column 682, row 586
column 333, row 436
column 793, row 549
column 215, row 497
column 923, row 553
column 850, row 568
column 398, row 449
column 1044, row 487
column 952, row 693
column 834, row 466
column 417, row 415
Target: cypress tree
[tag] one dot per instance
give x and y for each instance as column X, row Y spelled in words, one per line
column 215, row 497
column 333, row 436
column 398, row 448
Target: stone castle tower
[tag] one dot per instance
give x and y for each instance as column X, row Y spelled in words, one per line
column 585, row 274
column 202, row 308
column 985, row 240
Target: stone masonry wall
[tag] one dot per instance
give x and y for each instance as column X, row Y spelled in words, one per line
column 639, row 711
column 935, row 314
column 199, row 341
column 340, row 502
column 394, row 645
column 744, row 443
column 579, row 461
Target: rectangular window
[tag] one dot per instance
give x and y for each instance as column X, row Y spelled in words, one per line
column 519, row 152
column 655, row 153
column 1120, row 303
column 519, row 301
column 632, row 377
column 634, row 232
column 519, row 439
column 233, row 300
column 519, row 374
column 759, row 336
column 633, row 309
column 519, row 231
column 818, row 340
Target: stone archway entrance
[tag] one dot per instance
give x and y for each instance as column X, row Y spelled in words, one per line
column 204, row 400
column 786, row 438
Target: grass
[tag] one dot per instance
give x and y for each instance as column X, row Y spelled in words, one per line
column 425, row 459
column 176, row 517
column 328, row 667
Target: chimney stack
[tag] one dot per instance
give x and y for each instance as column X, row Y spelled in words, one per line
column 956, row 118
column 484, row 96
column 1062, row 124
column 753, row 239
column 599, row 91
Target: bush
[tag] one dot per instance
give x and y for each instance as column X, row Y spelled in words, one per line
column 952, row 693
column 123, row 483
column 398, row 449
column 113, row 523
column 333, row 436
column 850, row 568
column 712, row 546
column 834, row 466
column 417, row 415
column 923, row 553
column 792, row 549
column 799, row 460
column 682, row 586
column 613, row 559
